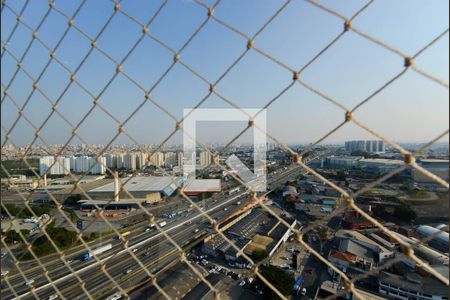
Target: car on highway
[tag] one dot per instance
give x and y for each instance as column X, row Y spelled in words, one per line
column 196, row 230
column 116, row 297
column 53, row 297
column 128, row 271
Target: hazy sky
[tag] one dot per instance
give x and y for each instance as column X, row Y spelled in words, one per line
column 412, row 109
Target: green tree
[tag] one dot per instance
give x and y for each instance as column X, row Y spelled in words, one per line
column 72, row 199
column 281, row 279
column 405, row 213
column 259, row 254
column 380, row 211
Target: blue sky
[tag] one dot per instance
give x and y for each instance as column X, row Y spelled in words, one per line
column 413, row 109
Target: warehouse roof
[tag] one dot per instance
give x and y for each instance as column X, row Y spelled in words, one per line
column 432, row 231
column 415, row 282
column 112, row 202
column 140, row 184
column 207, row 185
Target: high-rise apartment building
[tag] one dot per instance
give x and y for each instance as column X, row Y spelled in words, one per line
column 180, row 159
column 170, row 159
column 157, row 159
column 365, row 146
column 60, row 167
column 141, row 160
column 119, row 160
column 205, row 158
column 129, row 161
column 88, row 164
column 111, row 161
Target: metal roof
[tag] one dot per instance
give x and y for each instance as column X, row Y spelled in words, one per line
column 140, row 184
column 208, row 185
column 428, row 230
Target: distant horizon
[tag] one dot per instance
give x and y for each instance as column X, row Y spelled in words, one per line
column 437, row 144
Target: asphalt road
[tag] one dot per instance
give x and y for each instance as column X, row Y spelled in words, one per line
column 118, row 260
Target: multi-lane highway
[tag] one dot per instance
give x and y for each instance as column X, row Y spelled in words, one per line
column 152, row 249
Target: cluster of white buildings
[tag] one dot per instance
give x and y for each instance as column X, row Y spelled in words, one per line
column 59, row 167
column 365, row 146
column 88, row 164
column 77, row 164
column 127, row 161
column 139, row 160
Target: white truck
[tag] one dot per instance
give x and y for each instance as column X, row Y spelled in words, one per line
column 162, row 224
column 96, row 251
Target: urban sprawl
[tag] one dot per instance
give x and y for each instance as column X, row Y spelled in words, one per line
column 123, row 200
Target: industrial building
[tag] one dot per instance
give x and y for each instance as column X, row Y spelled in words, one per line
column 376, row 166
column 138, row 187
column 439, row 239
column 413, row 285
column 358, row 244
column 355, row 221
column 257, row 230
column 18, row 182
column 196, row 187
column 438, row 167
column 125, row 192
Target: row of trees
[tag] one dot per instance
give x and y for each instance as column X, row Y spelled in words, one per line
column 23, row 212
column 402, row 212
column 279, row 278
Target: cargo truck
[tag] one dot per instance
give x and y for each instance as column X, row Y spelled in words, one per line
column 96, row 251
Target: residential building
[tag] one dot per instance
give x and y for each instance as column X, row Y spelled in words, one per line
column 170, row 159
column 205, row 159
column 157, row 159
column 180, row 159
column 365, row 146
column 60, row 166
column 129, row 161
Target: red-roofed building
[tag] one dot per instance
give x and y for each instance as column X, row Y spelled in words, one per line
column 355, row 221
